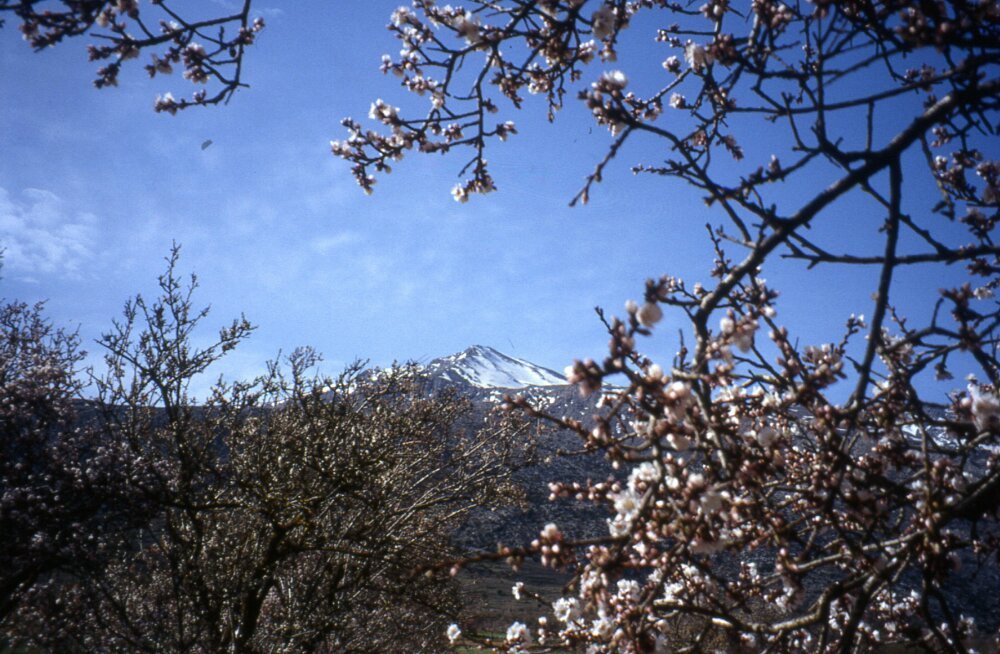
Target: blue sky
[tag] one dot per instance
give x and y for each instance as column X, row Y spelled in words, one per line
column 94, row 187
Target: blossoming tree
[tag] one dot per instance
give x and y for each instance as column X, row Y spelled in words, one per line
column 57, row 491
column 774, row 497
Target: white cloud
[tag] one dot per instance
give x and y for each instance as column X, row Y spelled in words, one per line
column 230, row 5
column 41, row 237
column 326, row 244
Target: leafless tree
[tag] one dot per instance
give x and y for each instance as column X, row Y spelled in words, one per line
column 286, row 514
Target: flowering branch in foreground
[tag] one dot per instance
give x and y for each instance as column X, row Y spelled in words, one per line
column 207, row 49
column 772, row 496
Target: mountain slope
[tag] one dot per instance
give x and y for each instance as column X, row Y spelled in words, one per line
column 484, row 367
column 486, row 376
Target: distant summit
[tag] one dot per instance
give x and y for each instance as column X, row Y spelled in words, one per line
column 485, row 367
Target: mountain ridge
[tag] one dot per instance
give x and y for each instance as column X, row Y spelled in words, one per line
column 481, row 366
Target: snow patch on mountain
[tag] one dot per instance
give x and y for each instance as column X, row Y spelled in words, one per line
column 485, row 367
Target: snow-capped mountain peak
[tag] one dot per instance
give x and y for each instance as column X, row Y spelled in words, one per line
column 485, row 367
